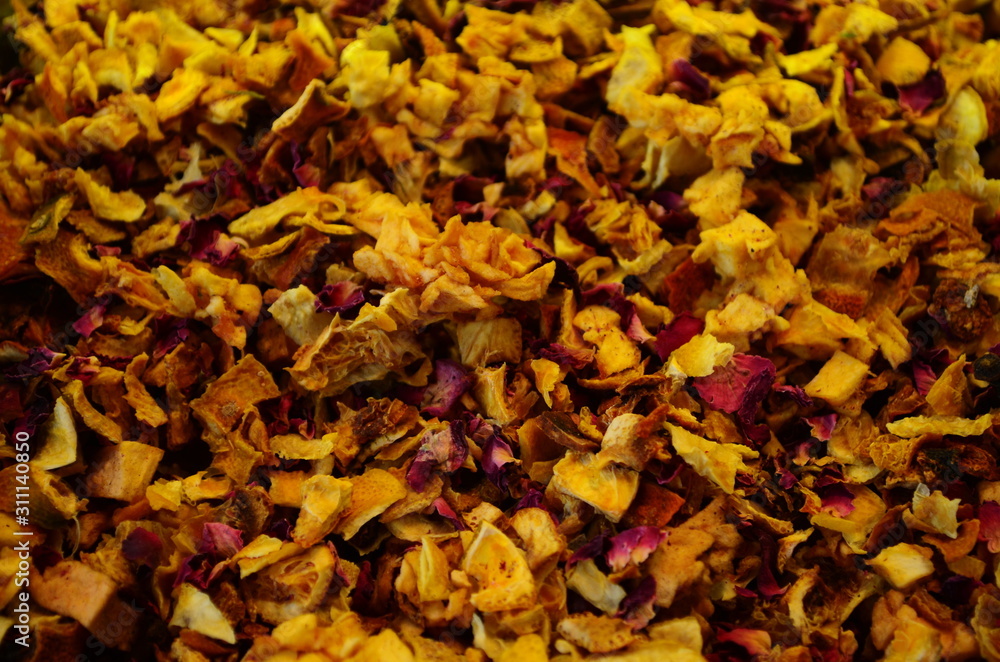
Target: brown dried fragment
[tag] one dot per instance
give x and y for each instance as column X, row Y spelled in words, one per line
column 966, row 311
column 601, row 143
column 686, row 283
column 491, row 341
column 675, row 564
column 905, row 401
column 842, row 268
column 538, row 451
column 196, row 642
column 66, row 260
column 180, row 373
column 58, row 641
column 77, row 591
column 949, row 461
column 12, row 251
column 627, row 442
column 954, row 549
column 653, row 506
column 561, row 429
column 249, row 510
column 225, row 399
column 380, row 423
column 280, row 270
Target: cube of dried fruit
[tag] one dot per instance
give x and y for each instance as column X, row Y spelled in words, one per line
column 123, row 471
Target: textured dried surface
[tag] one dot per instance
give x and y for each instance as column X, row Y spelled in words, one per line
column 512, row 330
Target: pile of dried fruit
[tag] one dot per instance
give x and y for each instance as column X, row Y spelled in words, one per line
column 512, row 330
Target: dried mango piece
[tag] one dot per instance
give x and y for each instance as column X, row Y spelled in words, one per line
column 433, row 572
column 904, row 564
column 75, row 590
column 857, row 524
column 699, row 356
column 903, row 62
column 598, row 634
column 59, row 445
column 601, row 327
column 180, row 93
column 933, row 511
column 291, row 586
column 67, row 261
column 838, row 379
column 257, row 223
column 542, row 540
column 856, row 22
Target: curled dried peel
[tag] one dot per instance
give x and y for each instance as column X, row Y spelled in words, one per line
column 225, row 400
column 126, row 206
column 147, row 409
column 257, row 223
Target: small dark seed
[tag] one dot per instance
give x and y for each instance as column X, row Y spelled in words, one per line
column 987, row 368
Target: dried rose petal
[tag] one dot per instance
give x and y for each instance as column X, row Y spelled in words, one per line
column 634, row 545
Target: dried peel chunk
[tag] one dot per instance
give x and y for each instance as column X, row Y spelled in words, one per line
column 226, row 399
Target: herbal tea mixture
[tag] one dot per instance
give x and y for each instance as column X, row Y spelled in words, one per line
column 511, row 330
